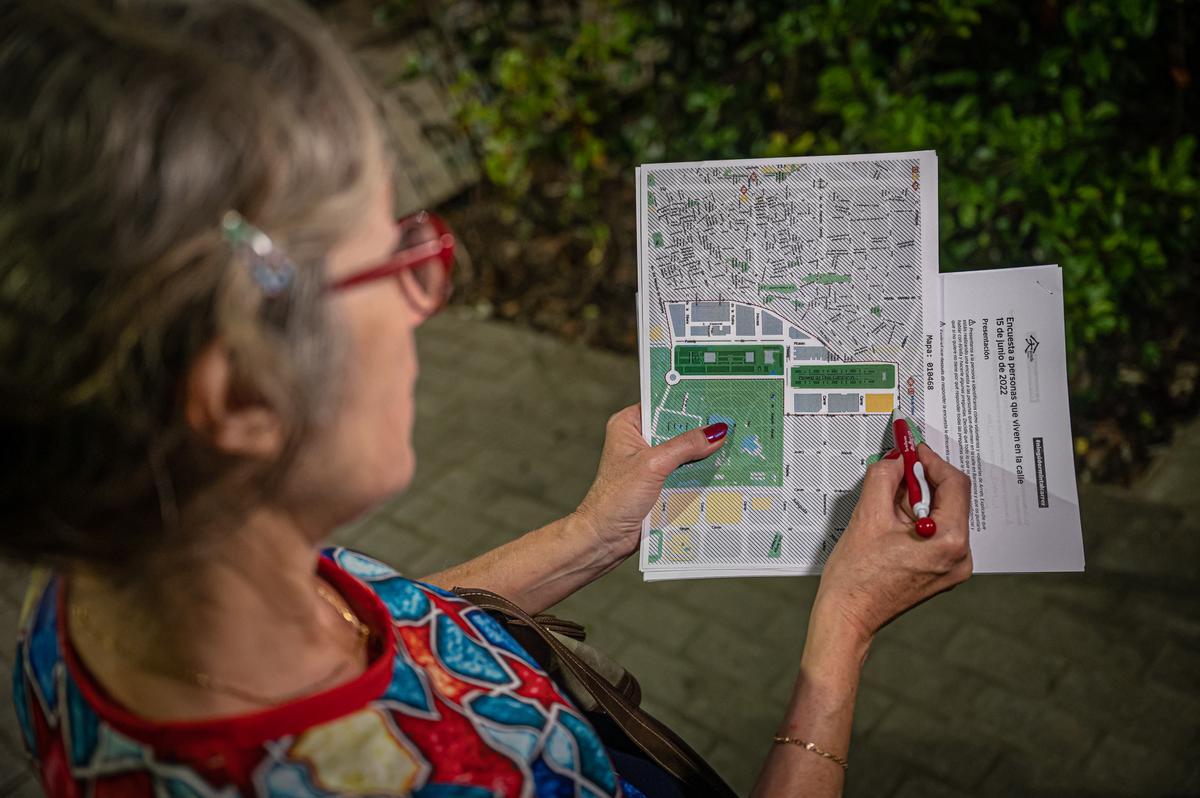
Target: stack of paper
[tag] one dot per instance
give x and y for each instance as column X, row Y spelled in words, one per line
column 799, row 301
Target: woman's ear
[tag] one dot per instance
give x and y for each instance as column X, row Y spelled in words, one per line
column 217, row 413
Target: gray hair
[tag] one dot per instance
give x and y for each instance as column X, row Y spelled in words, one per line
column 127, row 130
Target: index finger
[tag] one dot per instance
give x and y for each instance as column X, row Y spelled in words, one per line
column 628, row 415
column 633, row 411
column 951, row 487
column 936, row 467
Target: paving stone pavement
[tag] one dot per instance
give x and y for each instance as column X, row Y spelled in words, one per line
column 1038, row 685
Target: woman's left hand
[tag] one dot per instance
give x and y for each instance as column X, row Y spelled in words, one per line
column 631, row 475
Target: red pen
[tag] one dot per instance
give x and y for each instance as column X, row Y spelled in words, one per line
column 919, row 495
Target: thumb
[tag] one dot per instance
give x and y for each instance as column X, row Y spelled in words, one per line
column 695, row 444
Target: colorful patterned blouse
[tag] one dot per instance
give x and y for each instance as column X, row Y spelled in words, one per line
column 450, row 706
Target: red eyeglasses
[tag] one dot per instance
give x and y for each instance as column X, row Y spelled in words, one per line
column 422, row 263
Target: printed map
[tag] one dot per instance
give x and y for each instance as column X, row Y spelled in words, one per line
column 784, row 298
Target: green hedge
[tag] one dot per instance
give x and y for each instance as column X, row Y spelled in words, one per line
column 1066, row 133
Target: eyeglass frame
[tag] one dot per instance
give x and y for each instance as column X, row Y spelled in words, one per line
column 407, row 259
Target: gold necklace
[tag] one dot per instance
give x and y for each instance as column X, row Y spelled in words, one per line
column 347, row 614
column 207, row 681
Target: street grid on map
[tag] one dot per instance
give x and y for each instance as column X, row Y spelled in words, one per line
column 784, row 298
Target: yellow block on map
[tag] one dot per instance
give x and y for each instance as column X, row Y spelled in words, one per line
column 879, row 403
column 723, row 508
column 760, row 503
column 678, row 547
column 656, row 333
column 683, row 509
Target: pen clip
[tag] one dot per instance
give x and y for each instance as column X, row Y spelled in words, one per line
column 922, row 507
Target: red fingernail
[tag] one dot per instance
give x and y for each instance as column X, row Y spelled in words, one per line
column 892, row 455
column 715, row 432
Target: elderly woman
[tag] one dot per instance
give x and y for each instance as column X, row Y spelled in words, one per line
column 207, row 315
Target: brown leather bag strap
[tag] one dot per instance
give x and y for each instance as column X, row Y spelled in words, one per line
column 658, row 742
column 561, row 626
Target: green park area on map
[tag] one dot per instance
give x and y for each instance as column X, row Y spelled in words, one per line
column 845, row 375
column 753, row 409
column 745, row 360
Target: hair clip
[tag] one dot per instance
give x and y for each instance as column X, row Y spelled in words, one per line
column 269, row 266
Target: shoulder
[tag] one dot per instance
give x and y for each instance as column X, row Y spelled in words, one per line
column 468, row 697
column 37, row 658
column 411, row 603
column 404, row 598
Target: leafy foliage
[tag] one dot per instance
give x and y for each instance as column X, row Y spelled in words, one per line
column 1066, row 133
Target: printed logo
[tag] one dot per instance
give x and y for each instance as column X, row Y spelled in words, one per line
column 1031, row 346
column 1032, row 377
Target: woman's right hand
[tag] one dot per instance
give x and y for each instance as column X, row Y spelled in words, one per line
column 880, row 567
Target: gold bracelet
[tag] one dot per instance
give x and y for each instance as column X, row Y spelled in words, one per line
column 813, row 747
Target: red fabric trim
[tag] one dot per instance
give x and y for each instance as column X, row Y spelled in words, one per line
column 199, row 738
